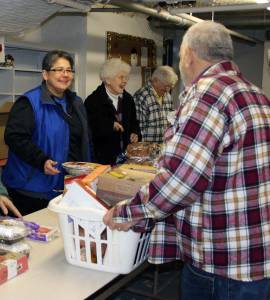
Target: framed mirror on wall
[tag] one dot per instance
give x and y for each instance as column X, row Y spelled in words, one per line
column 139, row 52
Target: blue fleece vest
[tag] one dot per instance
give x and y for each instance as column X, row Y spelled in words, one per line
column 51, row 134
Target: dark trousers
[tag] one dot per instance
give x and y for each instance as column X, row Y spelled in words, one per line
column 25, row 204
column 199, row 285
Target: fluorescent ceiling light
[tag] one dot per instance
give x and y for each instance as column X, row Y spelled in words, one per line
column 261, row 1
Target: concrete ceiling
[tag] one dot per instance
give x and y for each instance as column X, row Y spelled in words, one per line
column 17, row 16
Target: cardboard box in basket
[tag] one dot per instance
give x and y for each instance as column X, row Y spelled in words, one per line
column 121, row 184
column 4, row 111
column 87, row 241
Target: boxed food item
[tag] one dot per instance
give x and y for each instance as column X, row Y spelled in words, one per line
column 11, row 265
column 81, row 195
column 121, row 184
column 44, row 234
column 69, row 179
column 139, row 167
column 91, row 178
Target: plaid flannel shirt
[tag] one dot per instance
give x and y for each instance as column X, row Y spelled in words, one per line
column 210, row 201
column 151, row 115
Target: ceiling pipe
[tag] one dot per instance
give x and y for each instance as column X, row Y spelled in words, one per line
column 219, row 8
column 73, row 4
column 162, row 14
column 231, row 32
column 245, row 23
column 183, row 20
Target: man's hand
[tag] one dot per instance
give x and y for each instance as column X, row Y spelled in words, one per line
column 134, row 138
column 118, row 127
column 108, row 220
column 49, row 168
column 6, row 204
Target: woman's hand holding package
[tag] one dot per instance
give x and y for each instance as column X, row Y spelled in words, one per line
column 49, row 167
column 118, row 127
column 133, row 138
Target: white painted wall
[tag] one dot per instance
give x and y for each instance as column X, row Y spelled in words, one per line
column 86, row 37
column 97, row 26
column 61, row 32
column 266, row 70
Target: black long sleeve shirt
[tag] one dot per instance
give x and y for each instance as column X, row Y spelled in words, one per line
column 20, row 128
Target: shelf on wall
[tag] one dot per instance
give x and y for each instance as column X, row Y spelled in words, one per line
column 28, row 70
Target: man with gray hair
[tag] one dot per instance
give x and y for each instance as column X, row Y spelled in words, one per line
column 210, row 200
column 153, row 103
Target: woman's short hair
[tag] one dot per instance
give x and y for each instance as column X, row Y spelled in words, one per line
column 165, row 74
column 112, row 67
column 211, row 41
column 52, row 56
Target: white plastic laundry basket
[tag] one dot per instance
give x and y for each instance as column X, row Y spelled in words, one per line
column 89, row 243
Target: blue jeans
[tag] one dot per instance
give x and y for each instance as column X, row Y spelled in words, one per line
column 199, row 285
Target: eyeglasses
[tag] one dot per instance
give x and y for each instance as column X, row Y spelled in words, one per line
column 123, row 77
column 62, row 71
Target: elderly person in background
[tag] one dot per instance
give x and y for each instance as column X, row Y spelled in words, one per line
column 46, row 127
column 111, row 113
column 210, row 200
column 154, row 103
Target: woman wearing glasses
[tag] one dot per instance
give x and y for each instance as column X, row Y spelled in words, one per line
column 46, row 127
column 111, row 113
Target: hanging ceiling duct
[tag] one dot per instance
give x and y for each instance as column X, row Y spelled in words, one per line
column 183, row 20
column 218, row 8
column 161, row 14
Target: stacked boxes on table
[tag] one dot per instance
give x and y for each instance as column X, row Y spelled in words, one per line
column 11, row 265
column 121, row 184
column 14, row 251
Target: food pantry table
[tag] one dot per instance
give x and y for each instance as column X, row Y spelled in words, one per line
column 50, row 277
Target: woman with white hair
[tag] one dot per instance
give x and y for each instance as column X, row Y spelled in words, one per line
column 111, row 113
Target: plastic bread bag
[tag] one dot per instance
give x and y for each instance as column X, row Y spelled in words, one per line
column 19, row 247
column 139, row 150
column 12, row 230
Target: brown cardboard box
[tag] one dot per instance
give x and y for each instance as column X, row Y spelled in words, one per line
column 121, row 184
column 11, row 265
column 4, row 111
column 138, row 167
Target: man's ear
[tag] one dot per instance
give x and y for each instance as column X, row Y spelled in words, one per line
column 107, row 81
column 189, row 56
